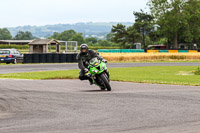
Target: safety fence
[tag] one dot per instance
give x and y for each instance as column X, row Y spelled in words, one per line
column 172, row 51
column 121, row 50
column 50, row 58
column 143, row 51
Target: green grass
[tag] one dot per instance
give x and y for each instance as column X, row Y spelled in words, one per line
column 71, row 74
column 176, row 75
column 180, row 61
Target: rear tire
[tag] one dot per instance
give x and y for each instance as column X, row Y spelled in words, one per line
column 15, row 61
column 106, row 82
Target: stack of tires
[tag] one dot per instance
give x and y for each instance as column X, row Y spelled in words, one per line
column 50, row 58
column 27, row 58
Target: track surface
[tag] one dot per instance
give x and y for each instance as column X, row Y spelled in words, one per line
column 52, row 67
column 62, row 106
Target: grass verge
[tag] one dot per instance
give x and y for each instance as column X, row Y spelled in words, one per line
column 170, row 61
column 175, row 75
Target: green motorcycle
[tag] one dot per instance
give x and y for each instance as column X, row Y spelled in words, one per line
column 99, row 73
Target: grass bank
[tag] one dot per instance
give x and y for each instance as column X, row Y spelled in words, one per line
column 176, row 75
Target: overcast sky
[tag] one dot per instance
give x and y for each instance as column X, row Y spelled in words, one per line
column 42, row 12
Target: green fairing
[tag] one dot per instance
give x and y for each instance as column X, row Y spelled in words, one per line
column 93, row 68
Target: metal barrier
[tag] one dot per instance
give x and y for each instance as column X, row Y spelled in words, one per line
column 121, row 50
column 49, row 58
column 145, row 51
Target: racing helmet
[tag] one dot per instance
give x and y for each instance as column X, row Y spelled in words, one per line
column 84, row 46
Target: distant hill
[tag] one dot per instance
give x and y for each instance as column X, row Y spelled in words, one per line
column 99, row 30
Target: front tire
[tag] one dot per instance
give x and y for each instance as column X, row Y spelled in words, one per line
column 106, row 82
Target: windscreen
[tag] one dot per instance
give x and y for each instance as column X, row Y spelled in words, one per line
column 4, row 52
column 94, row 62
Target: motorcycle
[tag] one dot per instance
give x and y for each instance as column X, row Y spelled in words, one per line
column 99, row 73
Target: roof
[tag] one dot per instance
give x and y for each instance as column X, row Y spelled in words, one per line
column 43, row 41
column 9, row 49
column 16, row 41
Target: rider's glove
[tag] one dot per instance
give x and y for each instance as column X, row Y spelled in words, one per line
column 105, row 61
column 86, row 70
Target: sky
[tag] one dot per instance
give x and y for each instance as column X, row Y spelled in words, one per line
column 43, row 12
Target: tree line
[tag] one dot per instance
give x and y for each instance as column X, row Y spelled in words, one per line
column 68, row 35
column 5, row 35
column 71, row 35
column 169, row 22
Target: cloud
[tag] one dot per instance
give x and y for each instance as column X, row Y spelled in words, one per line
column 42, row 12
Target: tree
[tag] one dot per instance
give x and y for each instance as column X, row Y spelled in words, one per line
column 68, row 35
column 120, row 34
column 91, row 40
column 132, row 35
column 78, row 37
column 169, row 16
column 5, row 34
column 191, row 30
column 109, row 37
column 143, row 24
column 24, row 35
column 54, row 36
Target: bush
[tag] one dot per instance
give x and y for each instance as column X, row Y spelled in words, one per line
column 6, row 46
column 197, row 72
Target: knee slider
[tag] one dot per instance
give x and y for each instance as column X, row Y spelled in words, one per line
column 81, row 77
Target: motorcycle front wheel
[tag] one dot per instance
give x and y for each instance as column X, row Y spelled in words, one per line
column 105, row 82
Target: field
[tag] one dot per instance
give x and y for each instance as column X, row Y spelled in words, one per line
column 176, row 75
column 134, row 57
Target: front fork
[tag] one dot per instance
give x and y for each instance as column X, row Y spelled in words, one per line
column 108, row 74
column 95, row 78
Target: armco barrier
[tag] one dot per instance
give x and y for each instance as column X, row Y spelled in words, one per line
column 50, row 58
column 121, row 50
column 183, row 51
column 163, row 51
column 173, row 51
column 152, row 51
column 147, row 51
column 193, row 51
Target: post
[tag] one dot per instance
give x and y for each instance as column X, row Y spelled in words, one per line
column 66, row 46
column 50, row 47
column 76, row 46
column 30, row 48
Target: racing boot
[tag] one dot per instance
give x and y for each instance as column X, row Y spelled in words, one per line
column 90, row 79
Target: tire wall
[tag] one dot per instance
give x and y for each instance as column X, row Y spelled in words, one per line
column 49, row 58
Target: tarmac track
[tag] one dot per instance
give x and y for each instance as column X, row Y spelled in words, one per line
column 72, row 106
column 54, row 67
column 62, row 106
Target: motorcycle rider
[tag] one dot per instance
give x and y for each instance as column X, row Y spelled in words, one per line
column 83, row 59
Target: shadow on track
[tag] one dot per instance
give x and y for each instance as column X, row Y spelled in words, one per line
column 93, row 91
